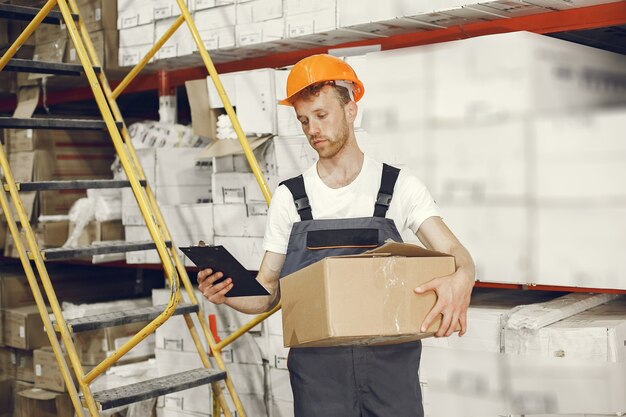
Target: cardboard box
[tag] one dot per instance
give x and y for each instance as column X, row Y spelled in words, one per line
column 596, row 335
column 561, row 259
column 470, row 76
column 69, row 284
column 131, row 55
column 181, row 43
column 99, row 231
column 52, row 234
column 504, row 254
column 200, row 4
column 218, row 38
column 291, row 156
column 362, row 299
column 41, row 403
column 6, row 399
column 105, row 42
column 216, row 17
column 178, row 166
column 50, row 51
column 67, row 160
column 48, row 235
column 47, row 370
column 7, row 362
column 245, row 220
column 23, row 328
column 238, row 188
column 131, row 13
column 260, row 34
column 280, row 385
column 24, row 366
column 137, row 36
column 579, row 157
column 203, row 118
column 188, row 224
column 21, row 140
column 248, row 250
column 280, row 408
column 227, row 155
column 44, row 33
column 256, row 99
column 173, row 195
column 98, row 14
column 95, row 345
column 195, row 400
column 259, row 11
column 473, row 163
column 14, row 288
column 486, row 317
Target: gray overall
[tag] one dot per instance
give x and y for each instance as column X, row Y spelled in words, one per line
column 352, row 381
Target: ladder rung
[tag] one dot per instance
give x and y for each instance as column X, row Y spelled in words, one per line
column 118, row 318
column 72, row 185
column 140, row 391
column 42, row 67
column 38, row 123
column 117, row 247
column 11, row 11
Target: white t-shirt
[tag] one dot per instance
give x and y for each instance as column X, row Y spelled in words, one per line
column 410, row 206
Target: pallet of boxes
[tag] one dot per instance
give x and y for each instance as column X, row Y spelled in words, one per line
column 52, row 43
column 29, row 372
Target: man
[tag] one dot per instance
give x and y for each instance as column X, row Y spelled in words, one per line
column 324, row 212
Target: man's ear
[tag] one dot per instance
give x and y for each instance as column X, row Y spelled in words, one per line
column 351, row 110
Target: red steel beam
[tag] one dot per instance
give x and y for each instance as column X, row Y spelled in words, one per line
column 602, row 15
column 547, row 288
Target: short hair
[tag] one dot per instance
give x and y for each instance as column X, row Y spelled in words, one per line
column 341, row 92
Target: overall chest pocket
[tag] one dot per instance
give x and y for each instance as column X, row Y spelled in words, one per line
column 342, row 238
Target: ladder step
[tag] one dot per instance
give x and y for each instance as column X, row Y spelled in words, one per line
column 118, row 318
column 38, row 123
column 42, row 67
column 140, row 391
column 73, row 185
column 99, row 249
column 11, row 11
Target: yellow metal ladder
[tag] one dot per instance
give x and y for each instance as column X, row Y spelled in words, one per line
column 175, row 271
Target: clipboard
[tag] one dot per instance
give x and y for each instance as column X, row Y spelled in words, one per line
column 220, row 260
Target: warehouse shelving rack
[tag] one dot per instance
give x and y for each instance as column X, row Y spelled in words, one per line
column 590, row 17
column 555, row 22
column 598, row 16
column 161, row 241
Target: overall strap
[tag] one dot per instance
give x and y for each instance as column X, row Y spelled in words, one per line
column 300, row 199
column 385, row 193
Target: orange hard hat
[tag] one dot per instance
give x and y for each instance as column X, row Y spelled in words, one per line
column 318, row 68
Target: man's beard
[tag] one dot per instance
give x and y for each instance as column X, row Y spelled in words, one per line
column 334, row 144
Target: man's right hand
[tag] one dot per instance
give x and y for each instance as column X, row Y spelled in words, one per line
column 214, row 293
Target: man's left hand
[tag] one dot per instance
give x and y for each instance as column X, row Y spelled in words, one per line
column 453, row 299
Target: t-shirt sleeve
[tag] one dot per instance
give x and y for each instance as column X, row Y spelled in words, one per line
column 280, row 218
column 416, row 201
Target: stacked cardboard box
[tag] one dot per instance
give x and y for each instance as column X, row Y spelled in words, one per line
column 21, row 327
column 38, row 155
column 243, row 29
column 176, row 352
column 516, row 351
column 183, row 191
column 52, row 43
column 281, row 397
column 520, row 167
